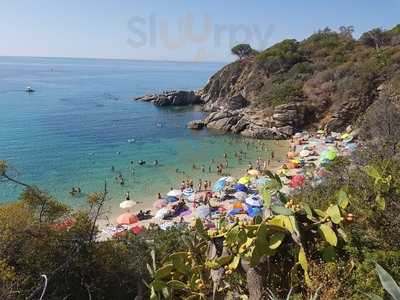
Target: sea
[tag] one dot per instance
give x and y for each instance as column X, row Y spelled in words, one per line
column 82, row 128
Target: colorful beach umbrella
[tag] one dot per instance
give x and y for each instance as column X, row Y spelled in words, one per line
column 127, row 204
column 171, row 199
column 297, row 181
column 240, row 195
column 219, row 184
column 344, row 136
column 262, row 181
column 161, row 213
column 244, row 180
column 174, row 193
column 329, row 154
column 304, row 153
column 137, row 229
column 188, row 192
column 240, row 188
column 202, row 211
column 254, row 211
column 254, row 201
column 127, row 219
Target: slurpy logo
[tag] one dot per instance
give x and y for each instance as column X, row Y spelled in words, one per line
column 199, row 33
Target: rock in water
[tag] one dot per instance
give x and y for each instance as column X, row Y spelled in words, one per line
column 172, row 98
column 196, row 124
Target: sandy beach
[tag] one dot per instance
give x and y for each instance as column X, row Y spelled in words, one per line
column 145, row 203
column 292, row 161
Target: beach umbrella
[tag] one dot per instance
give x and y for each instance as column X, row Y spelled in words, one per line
column 174, row 193
column 185, row 213
column 221, row 209
column 253, row 172
column 240, row 188
column 161, row 213
column 240, row 195
column 344, row 136
column 351, row 146
column 244, row 180
column 127, row 218
column 202, row 211
column 329, row 154
column 262, row 181
column 188, row 192
column 171, row 199
column 127, row 204
column 237, row 204
column 348, row 139
column 219, row 184
column 304, row 153
column 160, row 203
column 254, row 200
column 296, row 181
column 254, row 211
column 137, row 229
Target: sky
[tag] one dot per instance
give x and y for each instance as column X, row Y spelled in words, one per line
column 178, row 30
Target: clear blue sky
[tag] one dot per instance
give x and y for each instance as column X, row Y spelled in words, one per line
column 174, row 29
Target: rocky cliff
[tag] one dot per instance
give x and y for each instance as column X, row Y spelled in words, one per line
column 327, row 80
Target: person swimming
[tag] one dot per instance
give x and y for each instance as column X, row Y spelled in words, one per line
column 156, row 162
column 142, row 162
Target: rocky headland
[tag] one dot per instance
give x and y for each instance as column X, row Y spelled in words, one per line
column 328, row 80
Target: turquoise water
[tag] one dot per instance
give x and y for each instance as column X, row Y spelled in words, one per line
column 77, row 124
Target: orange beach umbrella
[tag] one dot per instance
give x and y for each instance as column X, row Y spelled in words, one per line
column 127, row 218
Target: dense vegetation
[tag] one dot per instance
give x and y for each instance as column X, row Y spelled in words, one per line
column 322, row 245
column 335, row 76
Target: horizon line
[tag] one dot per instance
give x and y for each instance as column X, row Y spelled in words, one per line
column 114, row 58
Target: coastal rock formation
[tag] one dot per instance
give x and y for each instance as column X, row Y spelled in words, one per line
column 325, row 81
column 172, row 98
column 196, row 124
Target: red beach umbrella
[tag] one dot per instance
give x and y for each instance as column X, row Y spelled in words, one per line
column 137, row 229
column 127, row 219
column 297, row 180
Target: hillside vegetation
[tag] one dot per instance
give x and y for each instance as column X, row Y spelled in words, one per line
column 331, row 75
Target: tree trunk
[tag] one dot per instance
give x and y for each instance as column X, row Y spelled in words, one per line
column 255, row 283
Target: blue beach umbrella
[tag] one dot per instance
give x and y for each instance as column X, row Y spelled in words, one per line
column 171, row 199
column 262, row 181
column 241, row 188
column 219, row 184
column 254, row 211
column 202, row 211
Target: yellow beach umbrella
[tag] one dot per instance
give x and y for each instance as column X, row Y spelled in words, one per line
column 344, row 136
column 244, row 180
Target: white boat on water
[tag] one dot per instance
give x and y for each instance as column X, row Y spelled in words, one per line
column 29, row 90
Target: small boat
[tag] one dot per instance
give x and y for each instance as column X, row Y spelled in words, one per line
column 29, row 90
